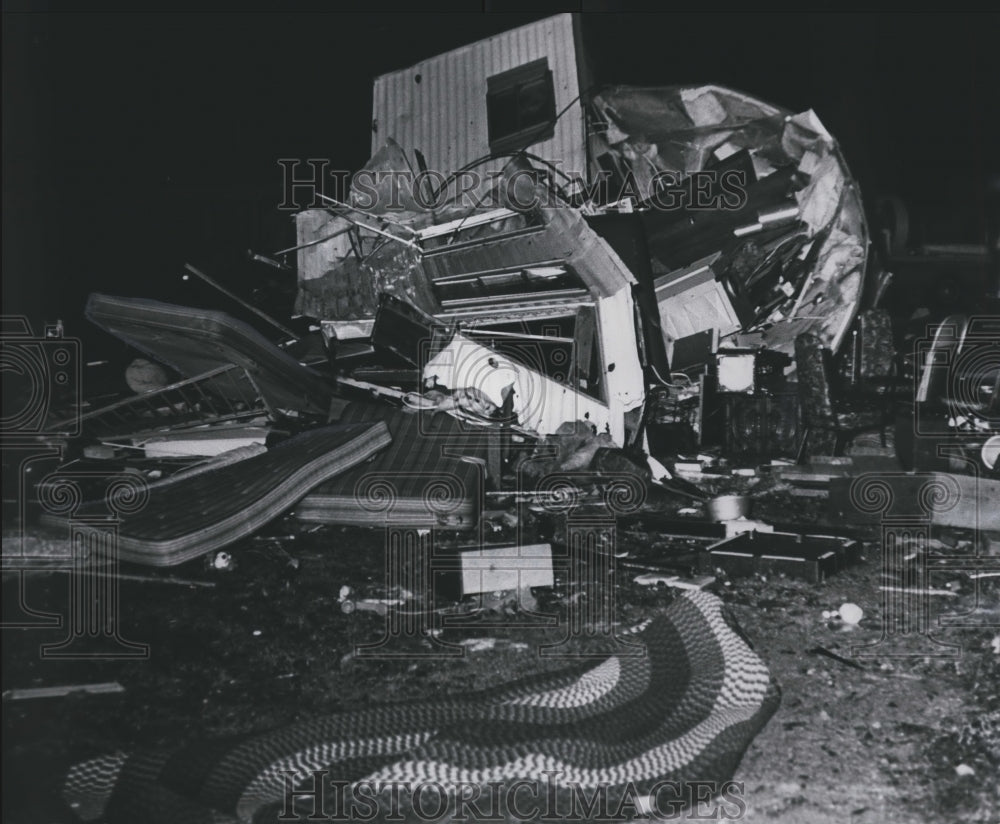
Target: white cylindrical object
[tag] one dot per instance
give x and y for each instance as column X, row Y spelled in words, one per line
column 778, row 215
column 850, row 613
column 728, row 507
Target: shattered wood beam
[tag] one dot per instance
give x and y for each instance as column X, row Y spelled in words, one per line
column 145, row 579
column 315, row 242
column 30, row 693
column 920, row 591
column 375, row 389
column 383, row 219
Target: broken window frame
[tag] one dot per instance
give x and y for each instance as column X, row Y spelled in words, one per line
column 492, row 287
column 525, row 223
column 582, row 367
column 525, row 132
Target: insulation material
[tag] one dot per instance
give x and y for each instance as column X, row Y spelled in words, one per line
column 820, row 199
column 684, row 124
column 349, row 291
column 384, row 187
column 323, row 240
column 344, row 293
column 358, row 255
column 688, row 130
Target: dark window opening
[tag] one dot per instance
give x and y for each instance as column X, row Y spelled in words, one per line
column 547, row 280
column 520, row 107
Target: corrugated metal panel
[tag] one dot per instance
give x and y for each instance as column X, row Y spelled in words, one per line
column 444, row 114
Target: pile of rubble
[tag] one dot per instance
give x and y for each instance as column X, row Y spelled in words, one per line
column 516, row 337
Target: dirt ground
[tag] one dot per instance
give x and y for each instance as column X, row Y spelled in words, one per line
column 856, row 739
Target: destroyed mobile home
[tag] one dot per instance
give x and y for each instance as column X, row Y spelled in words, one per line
column 607, row 313
column 507, row 328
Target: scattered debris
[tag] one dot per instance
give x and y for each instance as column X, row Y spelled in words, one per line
column 487, row 569
column 143, row 376
column 154, row 579
column 949, row 499
column 380, row 606
column 498, row 370
column 549, row 344
column 818, row 650
column 919, row 590
column 850, row 613
column 31, row 693
column 729, row 508
column 810, row 557
column 201, row 442
column 652, row 579
column 222, row 561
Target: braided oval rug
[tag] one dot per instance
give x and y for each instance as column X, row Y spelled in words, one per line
column 684, row 709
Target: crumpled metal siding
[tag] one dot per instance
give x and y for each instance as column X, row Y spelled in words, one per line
column 444, row 115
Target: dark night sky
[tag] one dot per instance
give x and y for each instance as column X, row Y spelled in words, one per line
column 135, row 142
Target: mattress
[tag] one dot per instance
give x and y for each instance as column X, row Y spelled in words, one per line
column 431, row 475
column 181, row 521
